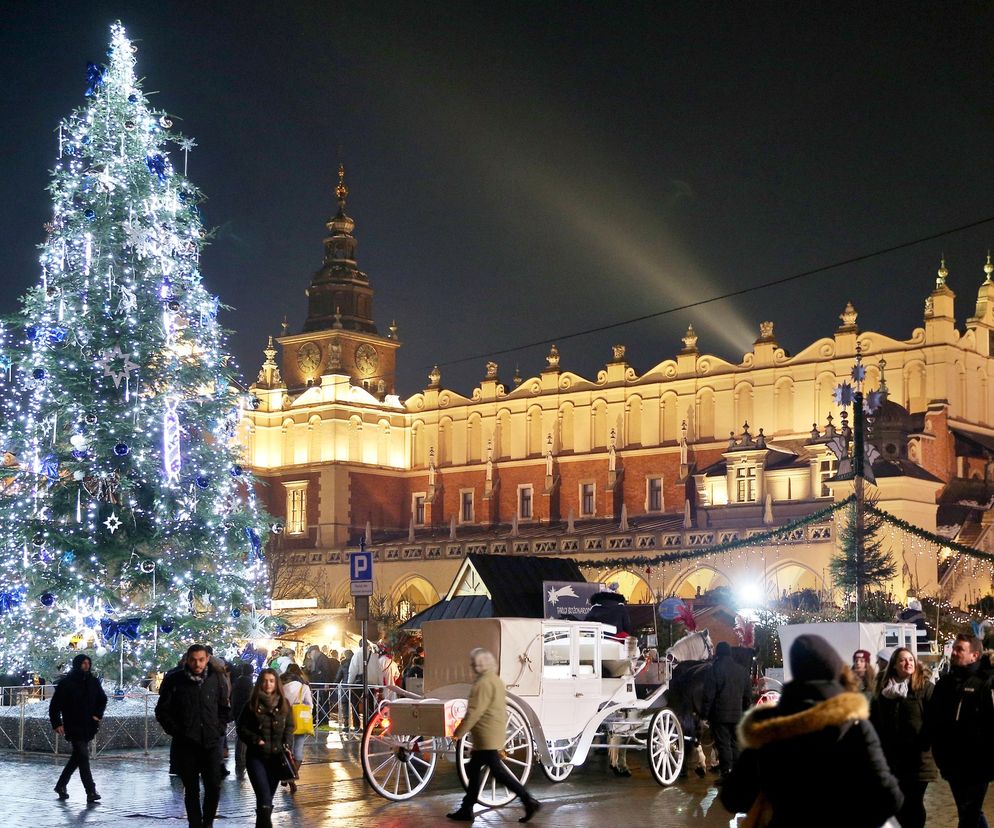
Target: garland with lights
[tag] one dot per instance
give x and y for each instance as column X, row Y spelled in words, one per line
column 716, row 549
column 128, row 526
column 925, row 535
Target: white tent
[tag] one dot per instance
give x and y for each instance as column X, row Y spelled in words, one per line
column 846, row 638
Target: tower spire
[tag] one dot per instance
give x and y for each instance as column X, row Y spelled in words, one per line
column 342, row 190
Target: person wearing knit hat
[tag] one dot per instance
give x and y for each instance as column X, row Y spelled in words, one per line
column 808, row 758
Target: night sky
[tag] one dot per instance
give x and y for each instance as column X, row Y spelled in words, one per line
column 523, row 171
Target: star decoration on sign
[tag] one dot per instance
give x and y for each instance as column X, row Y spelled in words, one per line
column 843, row 395
column 858, row 373
column 113, row 523
column 109, row 356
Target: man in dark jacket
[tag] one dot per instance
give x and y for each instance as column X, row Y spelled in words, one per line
column 193, row 708
column 609, row 608
column 727, row 695
column 814, row 760
column 75, row 712
column 960, row 722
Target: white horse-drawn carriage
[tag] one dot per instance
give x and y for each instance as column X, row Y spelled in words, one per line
column 571, row 687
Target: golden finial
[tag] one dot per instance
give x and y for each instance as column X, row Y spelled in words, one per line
column 988, row 268
column 341, row 191
column 942, row 273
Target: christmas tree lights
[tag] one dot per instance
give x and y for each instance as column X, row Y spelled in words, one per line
column 126, row 519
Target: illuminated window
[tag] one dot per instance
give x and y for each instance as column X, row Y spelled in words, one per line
column 418, row 508
column 654, row 494
column 466, row 505
column 587, row 499
column 525, row 502
column 745, row 484
column 296, row 507
column 827, row 469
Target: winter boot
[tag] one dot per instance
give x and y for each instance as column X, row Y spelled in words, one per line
column 264, row 817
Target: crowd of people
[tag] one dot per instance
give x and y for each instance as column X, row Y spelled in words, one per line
column 268, row 698
column 850, row 745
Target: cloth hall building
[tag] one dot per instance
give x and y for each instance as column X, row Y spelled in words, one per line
column 693, row 453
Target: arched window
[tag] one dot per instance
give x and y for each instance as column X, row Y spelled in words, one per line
column 598, row 425
column 633, row 437
column 566, row 428
column 474, row 439
column 705, row 414
column 536, row 442
column 502, row 436
column 418, row 453
column 444, row 442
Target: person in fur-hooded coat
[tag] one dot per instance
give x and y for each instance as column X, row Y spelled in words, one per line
column 807, row 759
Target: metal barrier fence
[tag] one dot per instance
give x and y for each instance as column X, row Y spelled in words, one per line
column 129, row 722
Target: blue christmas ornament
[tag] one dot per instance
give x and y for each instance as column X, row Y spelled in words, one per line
column 85, row 140
column 279, row 629
column 157, row 165
column 56, row 335
column 89, row 214
column 132, row 98
column 122, row 449
column 12, row 599
column 50, row 467
column 254, row 539
column 78, row 455
column 68, row 556
column 38, row 373
column 89, row 621
column 203, row 482
column 236, row 471
column 236, row 613
column 94, row 78
column 31, row 332
column 166, row 627
column 47, row 599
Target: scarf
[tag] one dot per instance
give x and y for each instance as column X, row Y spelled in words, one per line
column 268, row 702
column 895, row 689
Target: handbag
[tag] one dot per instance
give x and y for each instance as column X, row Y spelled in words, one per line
column 303, row 717
column 286, row 767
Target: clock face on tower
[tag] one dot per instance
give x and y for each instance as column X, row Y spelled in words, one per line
column 309, row 357
column 366, row 359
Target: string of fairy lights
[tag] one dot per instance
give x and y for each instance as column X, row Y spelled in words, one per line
column 129, row 524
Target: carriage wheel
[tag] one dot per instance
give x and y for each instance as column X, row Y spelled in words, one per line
column 397, row 766
column 516, row 756
column 665, row 747
column 562, row 752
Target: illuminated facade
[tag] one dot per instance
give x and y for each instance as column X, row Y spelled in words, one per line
column 696, row 451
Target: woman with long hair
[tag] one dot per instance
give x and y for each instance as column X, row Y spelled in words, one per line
column 297, row 691
column 266, row 728
column 897, row 711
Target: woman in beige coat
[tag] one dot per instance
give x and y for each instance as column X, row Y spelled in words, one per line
column 486, row 719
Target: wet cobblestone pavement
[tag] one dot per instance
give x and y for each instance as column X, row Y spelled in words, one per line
column 138, row 793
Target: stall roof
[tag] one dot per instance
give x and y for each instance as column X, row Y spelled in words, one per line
column 499, row 586
column 462, row 606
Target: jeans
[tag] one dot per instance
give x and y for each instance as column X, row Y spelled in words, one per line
column 491, row 759
column 195, row 762
column 298, row 747
column 79, row 758
column 969, row 795
column 262, row 774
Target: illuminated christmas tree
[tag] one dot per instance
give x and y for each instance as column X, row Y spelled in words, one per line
column 127, row 525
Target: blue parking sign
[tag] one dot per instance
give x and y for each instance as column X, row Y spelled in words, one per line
column 361, row 566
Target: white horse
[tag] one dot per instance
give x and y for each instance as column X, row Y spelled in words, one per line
column 695, row 646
